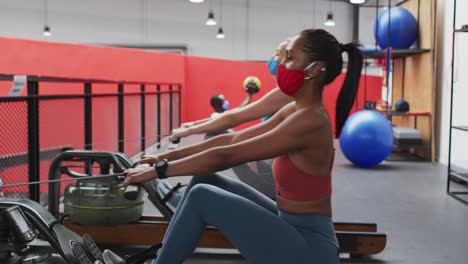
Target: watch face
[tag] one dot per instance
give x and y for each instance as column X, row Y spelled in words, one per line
column 160, row 163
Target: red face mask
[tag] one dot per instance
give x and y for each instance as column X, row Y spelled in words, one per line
column 289, row 81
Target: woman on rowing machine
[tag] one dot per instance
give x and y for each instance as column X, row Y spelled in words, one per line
column 298, row 227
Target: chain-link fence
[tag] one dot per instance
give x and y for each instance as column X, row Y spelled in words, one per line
column 14, row 147
column 120, row 117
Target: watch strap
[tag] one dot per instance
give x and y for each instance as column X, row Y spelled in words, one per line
column 161, row 169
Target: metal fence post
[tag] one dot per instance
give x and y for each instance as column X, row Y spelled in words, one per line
column 143, row 118
column 88, row 129
column 158, row 89
column 170, row 108
column 121, row 117
column 180, row 105
column 33, row 139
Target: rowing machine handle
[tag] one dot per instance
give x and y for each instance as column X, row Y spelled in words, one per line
column 132, row 190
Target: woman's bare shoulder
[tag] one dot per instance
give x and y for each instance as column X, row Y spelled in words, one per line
column 288, row 109
column 307, row 118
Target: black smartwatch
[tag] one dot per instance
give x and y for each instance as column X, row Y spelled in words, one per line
column 160, row 166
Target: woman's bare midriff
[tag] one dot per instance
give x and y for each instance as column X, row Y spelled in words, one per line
column 321, row 206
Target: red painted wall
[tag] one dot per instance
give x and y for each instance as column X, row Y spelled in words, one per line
column 33, row 57
column 205, row 77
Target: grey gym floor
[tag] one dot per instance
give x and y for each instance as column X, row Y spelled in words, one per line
column 407, row 200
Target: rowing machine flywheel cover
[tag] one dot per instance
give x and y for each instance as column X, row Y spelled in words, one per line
column 101, row 203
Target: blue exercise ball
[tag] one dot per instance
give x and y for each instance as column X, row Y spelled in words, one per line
column 403, row 28
column 366, row 138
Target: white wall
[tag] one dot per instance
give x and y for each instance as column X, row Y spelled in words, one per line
column 460, row 107
column 253, row 28
column 367, row 18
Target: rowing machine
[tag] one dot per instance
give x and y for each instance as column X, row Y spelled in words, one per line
column 354, row 238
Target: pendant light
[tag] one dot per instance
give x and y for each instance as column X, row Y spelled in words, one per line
column 330, row 22
column 357, row 2
column 46, row 32
column 211, row 20
column 220, row 34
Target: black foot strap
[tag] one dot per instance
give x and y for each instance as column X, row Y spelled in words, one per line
column 144, row 255
column 169, row 195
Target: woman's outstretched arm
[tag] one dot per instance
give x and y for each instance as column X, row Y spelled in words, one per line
column 270, row 103
column 270, row 139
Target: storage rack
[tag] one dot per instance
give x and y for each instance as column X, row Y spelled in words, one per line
column 391, row 55
column 455, row 174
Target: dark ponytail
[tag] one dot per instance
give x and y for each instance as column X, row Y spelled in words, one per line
column 348, row 92
column 319, row 45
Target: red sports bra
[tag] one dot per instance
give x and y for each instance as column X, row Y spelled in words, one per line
column 293, row 184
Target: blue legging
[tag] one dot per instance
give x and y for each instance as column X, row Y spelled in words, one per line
column 251, row 221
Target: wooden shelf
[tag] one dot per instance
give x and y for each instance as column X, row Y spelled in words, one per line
column 396, row 53
column 461, row 30
column 459, row 177
column 408, row 146
column 381, row 3
column 463, row 128
column 408, row 114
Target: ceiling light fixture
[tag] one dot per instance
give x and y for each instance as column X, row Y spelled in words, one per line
column 211, row 20
column 220, row 34
column 197, row 1
column 46, row 32
column 330, row 22
column 357, row 2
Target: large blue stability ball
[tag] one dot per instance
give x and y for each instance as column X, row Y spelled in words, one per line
column 366, row 138
column 403, row 28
